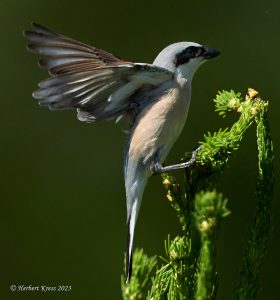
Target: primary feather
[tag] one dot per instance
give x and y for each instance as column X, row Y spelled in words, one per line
column 95, row 82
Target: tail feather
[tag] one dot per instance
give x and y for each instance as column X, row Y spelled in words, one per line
column 129, row 254
column 131, row 222
column 136, row 178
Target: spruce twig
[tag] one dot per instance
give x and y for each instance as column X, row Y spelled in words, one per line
column 261, row 229
column 140, row 282
column 210, row 208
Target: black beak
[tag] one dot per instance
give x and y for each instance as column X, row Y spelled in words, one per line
column 210, row 53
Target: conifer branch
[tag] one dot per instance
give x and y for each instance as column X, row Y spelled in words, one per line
column 210, row 208
column 140, row 281
column 261, row 229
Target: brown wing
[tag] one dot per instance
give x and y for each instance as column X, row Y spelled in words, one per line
column 63, row 55
column 94, row 81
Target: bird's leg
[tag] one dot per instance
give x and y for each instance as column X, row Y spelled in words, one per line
column 157, row 168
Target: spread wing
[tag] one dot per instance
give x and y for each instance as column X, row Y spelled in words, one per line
column 95, row 82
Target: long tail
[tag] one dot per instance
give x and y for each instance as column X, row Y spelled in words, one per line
column 135, row 185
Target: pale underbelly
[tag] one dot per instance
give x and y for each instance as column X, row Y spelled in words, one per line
column 158, row 127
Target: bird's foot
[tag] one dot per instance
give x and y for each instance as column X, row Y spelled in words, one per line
column 157, row 168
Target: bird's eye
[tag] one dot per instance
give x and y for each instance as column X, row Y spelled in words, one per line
column 200, row 51
column 192, row 51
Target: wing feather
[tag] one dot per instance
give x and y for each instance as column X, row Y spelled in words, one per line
column 95, row 82
column 63, row 53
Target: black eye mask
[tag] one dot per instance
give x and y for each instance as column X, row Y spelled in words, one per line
column 187, row 54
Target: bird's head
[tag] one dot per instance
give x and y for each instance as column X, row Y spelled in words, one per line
column 184, row 58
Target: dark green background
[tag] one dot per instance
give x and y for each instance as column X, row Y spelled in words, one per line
column 62, row 190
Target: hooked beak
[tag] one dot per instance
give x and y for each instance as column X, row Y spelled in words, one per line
column 210, row 53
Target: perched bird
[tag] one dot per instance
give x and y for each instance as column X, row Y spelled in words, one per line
column 155, row 97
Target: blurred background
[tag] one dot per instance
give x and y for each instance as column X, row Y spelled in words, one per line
column 62, row 190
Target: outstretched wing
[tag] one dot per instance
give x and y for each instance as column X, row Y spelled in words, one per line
column 94, row 81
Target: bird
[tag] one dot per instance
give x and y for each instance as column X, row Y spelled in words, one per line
column 155, row 98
